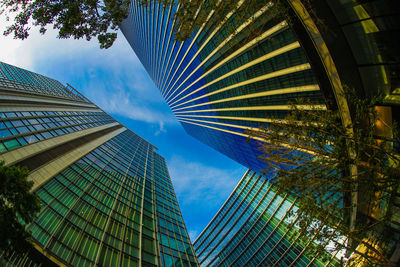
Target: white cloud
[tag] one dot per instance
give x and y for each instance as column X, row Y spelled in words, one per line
column 201, row 190
column 113, row 78
column 195, row 182
column 161, row 129
column 12, row 51
column 37, row 47
column 124, row 102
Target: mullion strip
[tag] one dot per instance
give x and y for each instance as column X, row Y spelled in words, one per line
column 166, row 67
column 334, row 255
column 290, row 90
column 215, row 226
column 164, row 45
column 239, row 3
column 304, row 248
column 148, row 36
column 274, row 74
column 256, row 40
column 223, row 130
column 220, row 227
column 127, row 207
column 200, row 238
column 258, row 234
column 266, row 120
column 143, row 11
column 140, row 28
column 173, row 64
column 277, row 107
column 277, row 244
column 170, row 39
column 226, row 124
column 160, row 24
column 153, row 17
column 222, row 44
column 252, row 226
column 271, row 234
column 319, row 253
column 238, row 219
column 76, row 202
column 268, row 56
column 189, row 48
column 142, row 207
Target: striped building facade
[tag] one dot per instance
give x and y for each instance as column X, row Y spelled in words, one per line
column 252, row 228
column 221, row 81
column 106, row 195
column 242, row 71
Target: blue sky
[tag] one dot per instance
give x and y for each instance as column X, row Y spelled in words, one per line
column 115, row 80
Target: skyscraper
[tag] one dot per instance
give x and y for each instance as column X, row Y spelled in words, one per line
column 252, row 228
column 244, row 70
column 106, row 195
column 221, row 82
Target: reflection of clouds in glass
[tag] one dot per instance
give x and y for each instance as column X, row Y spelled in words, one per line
column 31, row 139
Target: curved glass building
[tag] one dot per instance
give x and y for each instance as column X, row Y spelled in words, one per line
column 240, row 72
column 223, row 81
column 252, row 229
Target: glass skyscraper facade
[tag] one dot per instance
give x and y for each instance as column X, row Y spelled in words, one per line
column 362, row 42
column 106, row 195
column 252, row 228
column 240, row 72
column 222, row 80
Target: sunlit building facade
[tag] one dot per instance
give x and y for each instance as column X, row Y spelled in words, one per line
column 221, row 82
column 252, row 228
column 241, row 72
column 106, row 195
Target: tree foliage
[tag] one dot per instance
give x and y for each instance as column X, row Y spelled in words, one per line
column 95, row 18
column 77, row 19
column 209, row 15
column 18, row 206
column 309, row 151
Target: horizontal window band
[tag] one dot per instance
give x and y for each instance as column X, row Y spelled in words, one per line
column 256, row 40
column 293, row 69
column 45, row 172
column 28, row 108
column 224, row 124
column 291, row 90
column 27, row 152
column 219, row 129
column 7, row 98
column 222, row 44
column 251, row 63
column 277, row 107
